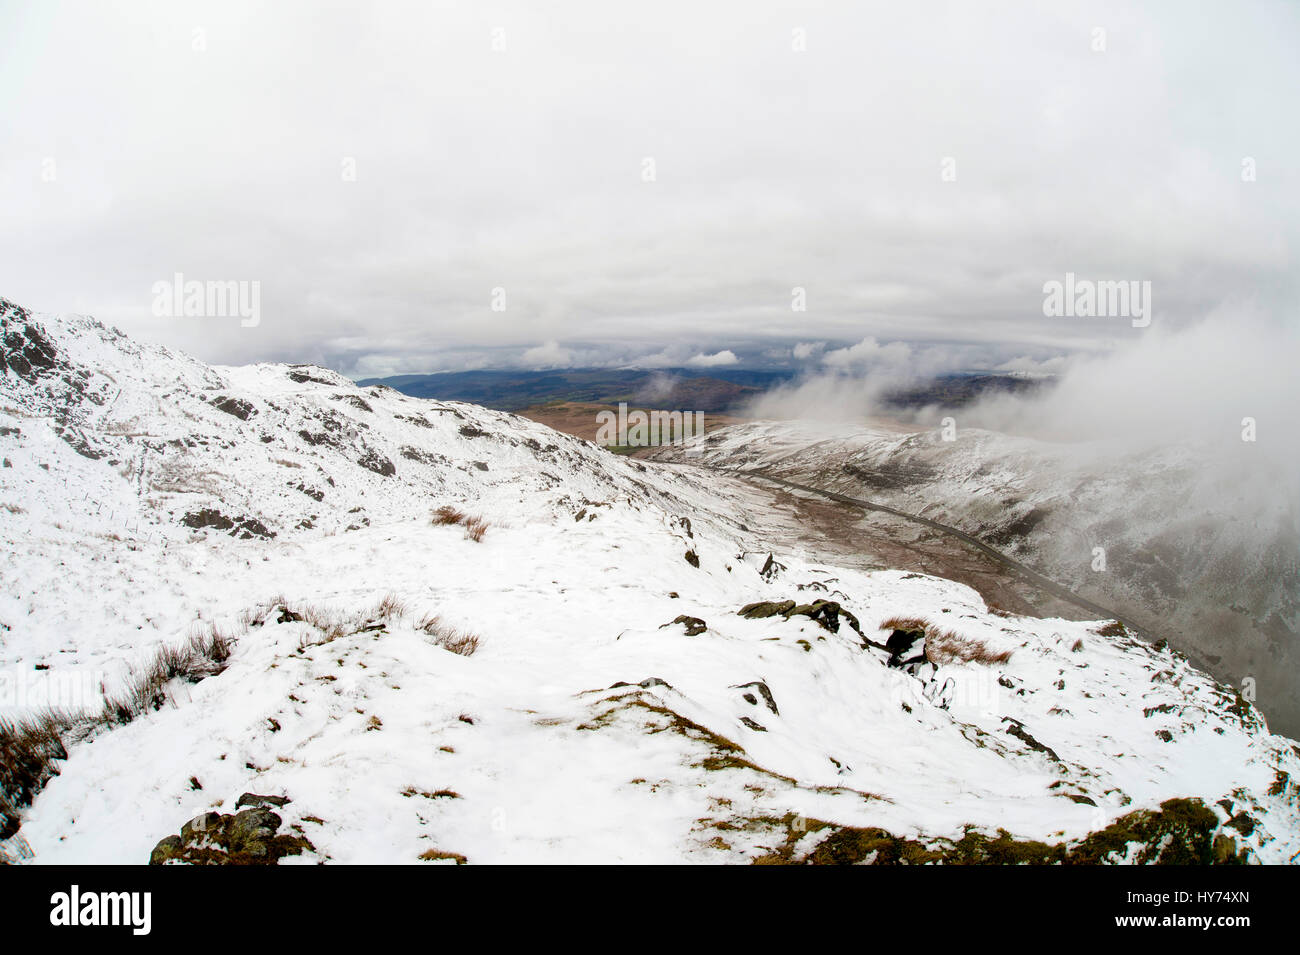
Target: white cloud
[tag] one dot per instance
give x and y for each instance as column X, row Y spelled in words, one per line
column 867, row 353
column 725, row 357
column 547, row 355
column 1024, row 365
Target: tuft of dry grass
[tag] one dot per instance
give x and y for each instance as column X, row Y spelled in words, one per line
column 448, row 515
column 323, row 619
column 906, row 624
column 202, row 655
column 390, row 607
column 437, row 855
column 448, row 637
column 475, row 527
column 947, row 646
column 28, row 748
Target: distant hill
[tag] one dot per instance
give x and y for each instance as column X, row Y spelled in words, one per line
column 958, row 390
column 717, row 391
column 683, row 388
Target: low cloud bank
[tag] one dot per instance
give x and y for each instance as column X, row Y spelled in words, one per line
column 1225, row 388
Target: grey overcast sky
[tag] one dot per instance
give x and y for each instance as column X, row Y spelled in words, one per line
column 920, row 169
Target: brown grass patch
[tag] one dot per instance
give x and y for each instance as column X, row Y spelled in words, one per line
column 906, row 624
column 437, row 855
column 389, row 606
column 448, row 637
column 28, row 748
column 475, row 527
column 448, row 515
column 202, row 655
column 947, row 646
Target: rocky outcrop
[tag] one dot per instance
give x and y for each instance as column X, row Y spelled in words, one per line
column 245, row 528
column 826, row 613
column 248, row 837
column 694, row 625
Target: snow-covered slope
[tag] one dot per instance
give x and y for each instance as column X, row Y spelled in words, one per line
column 1201, row 550
column 617, row 706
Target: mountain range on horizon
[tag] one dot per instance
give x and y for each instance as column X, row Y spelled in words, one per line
column 720, row 391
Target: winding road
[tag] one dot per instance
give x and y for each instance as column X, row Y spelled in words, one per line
column 1034, row 577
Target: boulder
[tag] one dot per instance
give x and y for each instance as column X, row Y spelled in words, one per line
column 253, row 799
column 250, row 827
column 168, row 848
column 694, row 625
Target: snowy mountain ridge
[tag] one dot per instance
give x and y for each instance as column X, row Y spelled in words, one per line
column 621, row 668
column 1201, row 550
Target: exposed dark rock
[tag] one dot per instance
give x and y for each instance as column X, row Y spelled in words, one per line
column 355, row 401
column 245, row 528
column 168, row 848
column 251, row 527
column 763, row 690
column 24, row 349
column 311, row 492
column 253, row 799
column 302, row 377
column 1243, row 822
column 315, row 439
column 197, row 827
column 1017, row 729
column 771, row 568
column 767, row 608
column 249, row 837
column 243, row 410
column 826, row 613
column 424, row 457
column 692, row 558
column 208, row 517
column 694, row 625
column 372, row 460
column 248, row 827
column 900, row 644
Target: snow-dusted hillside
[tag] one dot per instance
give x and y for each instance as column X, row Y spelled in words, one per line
column 617, row 707
column 1203, row 551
